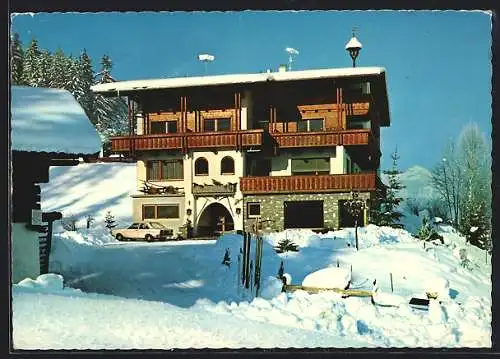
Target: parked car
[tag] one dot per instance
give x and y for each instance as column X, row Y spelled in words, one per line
column 149, row 231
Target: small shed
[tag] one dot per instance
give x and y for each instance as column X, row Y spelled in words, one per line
column 48, row 128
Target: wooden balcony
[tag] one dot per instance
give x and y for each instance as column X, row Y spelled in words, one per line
column 323, row 138
column 228, row 189
column 365, row 181
column 185, row 141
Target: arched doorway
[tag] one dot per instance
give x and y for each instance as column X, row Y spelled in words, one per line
column 214, row 220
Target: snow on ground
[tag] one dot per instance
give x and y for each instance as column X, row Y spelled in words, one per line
column 91, row 189
column 180, row 295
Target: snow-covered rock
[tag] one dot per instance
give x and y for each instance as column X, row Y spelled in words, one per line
column 331, row 277
column 271, row 287
column 437, row 313
column 439, row 286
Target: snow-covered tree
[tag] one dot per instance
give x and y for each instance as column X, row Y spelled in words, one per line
column 83, row 78
column 475, row 215
column 44, row 60
column 59, row 70
column 31, row 70
column 463, row 178
column 447, row 178
column 16, row 60
column 111, row 112
column 389, row 213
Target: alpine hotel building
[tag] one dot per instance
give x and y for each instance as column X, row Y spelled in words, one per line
column 287, row 147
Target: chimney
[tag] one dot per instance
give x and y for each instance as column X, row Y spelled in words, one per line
column 282, row 68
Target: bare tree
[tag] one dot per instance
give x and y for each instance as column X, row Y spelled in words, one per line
column 448, row 180
column 463, row 178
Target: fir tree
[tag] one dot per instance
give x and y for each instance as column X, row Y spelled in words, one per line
column 389, row 213
column 83, row 77
column 111, row 113
column 31, row 71
column 16, row 60
column 58, row 70
column 43, row 74
column 109, row 220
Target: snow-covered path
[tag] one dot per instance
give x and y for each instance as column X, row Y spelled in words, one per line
column 173, row 272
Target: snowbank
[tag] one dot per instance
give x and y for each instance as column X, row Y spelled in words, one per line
column 328, row 278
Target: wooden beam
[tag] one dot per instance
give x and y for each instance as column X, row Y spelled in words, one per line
column 346, row 292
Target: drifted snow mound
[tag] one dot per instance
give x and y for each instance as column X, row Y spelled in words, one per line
column 93, row 236
column 50, row 281
column 271, row 287
column 46, row 283
column 331, row 277
column 439, row 286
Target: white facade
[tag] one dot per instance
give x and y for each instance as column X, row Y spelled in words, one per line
column 199, row 203
column 282, row 165
column 25, row 253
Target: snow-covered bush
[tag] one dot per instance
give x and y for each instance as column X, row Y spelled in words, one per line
column 286, row 245
column 428, row 231
column 69, row 223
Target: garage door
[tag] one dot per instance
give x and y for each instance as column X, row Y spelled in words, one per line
column 303, row 214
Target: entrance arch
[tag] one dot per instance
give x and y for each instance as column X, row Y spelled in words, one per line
column 211, row 223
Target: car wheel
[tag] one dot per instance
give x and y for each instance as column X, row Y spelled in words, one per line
column 149, row 238
column 119, row 237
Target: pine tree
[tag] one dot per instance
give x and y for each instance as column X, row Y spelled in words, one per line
column 58, row 70
column 31, row 71
column 44, row 60
column 16, row 60
column 111, row 113
column 389, row 213
column 110, row 220
column 83, row 77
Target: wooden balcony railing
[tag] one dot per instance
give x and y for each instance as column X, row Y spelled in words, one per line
column 323, row 138
column 228, row 189
column 185, row 141
column 365, row 181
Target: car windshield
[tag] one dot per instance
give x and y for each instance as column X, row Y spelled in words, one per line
column 157, row 225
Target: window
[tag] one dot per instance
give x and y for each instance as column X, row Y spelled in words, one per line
column 134, row 226
column 305, row 166
column 227, row 166
column 148, row 212
column 158, row 127
column 164, row 170
column 168, row 211
column 164, row 211
column 311, row 125
column 253, row 209
column 217, row 124
column 201, row 167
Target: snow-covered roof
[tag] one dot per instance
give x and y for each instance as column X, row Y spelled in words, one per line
column 353, row 43
column 180, row 82
column 50, row 120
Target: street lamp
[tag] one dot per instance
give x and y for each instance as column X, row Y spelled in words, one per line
column 355, row 206
column 353, row 47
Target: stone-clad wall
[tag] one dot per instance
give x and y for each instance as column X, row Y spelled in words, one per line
column 272, row 208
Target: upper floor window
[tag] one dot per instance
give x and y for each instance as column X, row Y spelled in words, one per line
column 164, row 170
column 217, row 124
column 308, row 166
column 201, row 167
column 227, row 166
column 311, row 125
column 158, row 127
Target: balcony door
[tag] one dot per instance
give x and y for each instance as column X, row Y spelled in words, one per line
column 303, row 214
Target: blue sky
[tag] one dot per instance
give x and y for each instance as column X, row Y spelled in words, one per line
column 437, row 62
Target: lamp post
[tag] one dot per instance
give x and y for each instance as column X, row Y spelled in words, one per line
column 353, row 47
column 355, row 206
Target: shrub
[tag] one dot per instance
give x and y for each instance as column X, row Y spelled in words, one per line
column 69, row 223
column 110, row 220
column 286, row 245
